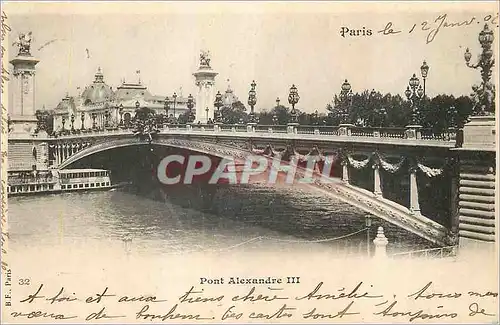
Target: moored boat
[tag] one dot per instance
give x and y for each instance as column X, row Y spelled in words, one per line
column 58, row 181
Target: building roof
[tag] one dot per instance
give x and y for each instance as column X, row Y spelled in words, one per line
column 66, row 104
column 98, row 91
column 127, row 91
column 99, row 95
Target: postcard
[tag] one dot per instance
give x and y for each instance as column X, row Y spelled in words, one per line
column 249, row 162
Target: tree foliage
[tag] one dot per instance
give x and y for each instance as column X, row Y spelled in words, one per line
column 44, row 121
column 145, row 123
column 235, row 113
column 375, row 109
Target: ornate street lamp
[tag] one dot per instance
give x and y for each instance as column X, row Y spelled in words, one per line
column 94, row 116
column 485, row 104
column 424, row 70
column 106, row 116
column 252, row 100
column 190, row 105
column 82, row 117
column 373, row 109
column 316, row 119
column 452, row 118
column 63, row 122
column 218, row 103
column 72, row 122
column 174, row 96
column 120, row 111
column 414, row 92
column 206, row 110
column 293, row 98
column 166, row 107
column 345, row 97
column 275, row 114
column 382, row 115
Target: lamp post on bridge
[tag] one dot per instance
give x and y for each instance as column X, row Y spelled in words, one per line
column 252, row 100
column 94, row 116
column 82, row 118
column 345, row 98
column 120, row 111
column 174, row 96
column 293, row 98
column 190, row 105
column 218, row 104
column 72, row 122
column 63, row 121
column 424, row 70
column 414, row 92
column 106, row 116
column 485, row 93
column 275, row 114
column 166, row 107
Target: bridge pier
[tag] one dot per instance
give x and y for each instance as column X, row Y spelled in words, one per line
column 476, row 186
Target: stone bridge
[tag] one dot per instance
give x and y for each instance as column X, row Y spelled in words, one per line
column 409, row 151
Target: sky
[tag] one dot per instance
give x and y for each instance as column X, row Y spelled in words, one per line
column 275, row 44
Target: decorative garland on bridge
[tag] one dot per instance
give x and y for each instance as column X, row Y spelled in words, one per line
column 429, row 171
column 358, row 164
column 391, row 168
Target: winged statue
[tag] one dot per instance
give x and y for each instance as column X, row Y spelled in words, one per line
column 24, row 43
column 205, row 59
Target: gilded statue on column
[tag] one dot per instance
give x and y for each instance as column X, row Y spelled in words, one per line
column 24, row 43
column 205, row 59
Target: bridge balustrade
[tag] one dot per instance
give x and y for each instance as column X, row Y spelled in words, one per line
column 429, row 134
column 353, row 131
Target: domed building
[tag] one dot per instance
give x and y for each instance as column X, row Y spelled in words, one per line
column 98, row 106
column 229, row 98
column 98, row 91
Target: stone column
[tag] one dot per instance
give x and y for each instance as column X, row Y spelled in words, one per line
column 205, row 94
column 23, row 102
column 345, row 170
column 414, row 205
column 377, row 184
column 56, row 154
column 380, row 243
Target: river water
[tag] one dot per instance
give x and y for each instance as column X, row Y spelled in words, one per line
column 241, row 218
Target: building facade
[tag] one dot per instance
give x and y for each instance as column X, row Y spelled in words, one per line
column 99, row 106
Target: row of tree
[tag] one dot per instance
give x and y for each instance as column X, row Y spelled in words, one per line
column 363, row 109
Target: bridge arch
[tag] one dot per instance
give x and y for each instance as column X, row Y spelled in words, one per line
column 364, row 200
